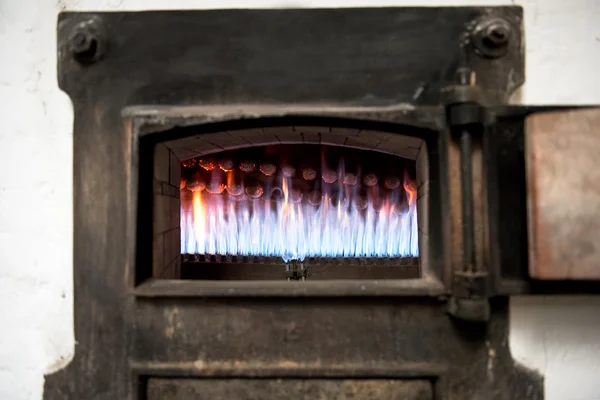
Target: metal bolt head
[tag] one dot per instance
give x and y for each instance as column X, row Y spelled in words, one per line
column 87, row 41
column 498, row 34
column 81, row 42
column 491, row 37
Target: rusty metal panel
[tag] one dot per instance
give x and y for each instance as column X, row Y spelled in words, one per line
column 563, row 184
column 284, row 389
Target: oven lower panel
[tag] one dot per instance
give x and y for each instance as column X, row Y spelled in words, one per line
column 310, row 343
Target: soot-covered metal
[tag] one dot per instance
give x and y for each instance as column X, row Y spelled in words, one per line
column 142, row 81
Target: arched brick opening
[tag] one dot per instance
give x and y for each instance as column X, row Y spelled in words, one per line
column 170, row 154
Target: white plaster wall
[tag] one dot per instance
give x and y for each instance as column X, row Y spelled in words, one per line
column 558, row 336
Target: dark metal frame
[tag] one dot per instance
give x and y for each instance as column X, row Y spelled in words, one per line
column 206, row 120
column 138, row 78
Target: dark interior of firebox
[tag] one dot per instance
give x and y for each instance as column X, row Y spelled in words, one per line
column 298, row 212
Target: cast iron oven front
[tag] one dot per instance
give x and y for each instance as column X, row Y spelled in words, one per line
column 440, row 74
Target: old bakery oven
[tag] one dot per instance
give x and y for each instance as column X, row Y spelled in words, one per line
column 314, row 203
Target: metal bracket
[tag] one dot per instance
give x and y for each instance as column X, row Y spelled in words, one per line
column 296, row 271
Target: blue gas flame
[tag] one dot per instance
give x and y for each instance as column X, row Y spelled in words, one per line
column 218, row 224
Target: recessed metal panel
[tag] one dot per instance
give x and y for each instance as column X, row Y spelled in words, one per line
column 284, row 389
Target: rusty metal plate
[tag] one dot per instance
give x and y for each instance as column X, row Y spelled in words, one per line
column 563, row 184
column 284, row 389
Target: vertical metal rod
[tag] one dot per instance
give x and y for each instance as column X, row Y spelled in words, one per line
column 467, row 198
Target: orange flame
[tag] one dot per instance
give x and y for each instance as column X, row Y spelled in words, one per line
column 198, row 214
column 411, row 189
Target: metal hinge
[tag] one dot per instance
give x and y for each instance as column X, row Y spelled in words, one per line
column 467, row 119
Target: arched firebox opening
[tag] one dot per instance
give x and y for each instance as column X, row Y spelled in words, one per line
column 288, row 201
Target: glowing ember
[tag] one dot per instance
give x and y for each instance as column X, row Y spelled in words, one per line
column 277, row 218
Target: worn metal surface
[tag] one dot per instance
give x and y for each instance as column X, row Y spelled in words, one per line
column 131, row 328
column 284, row 389
column 428, row 287
column 318, row 338
column 379, row 56
column 563, row 181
